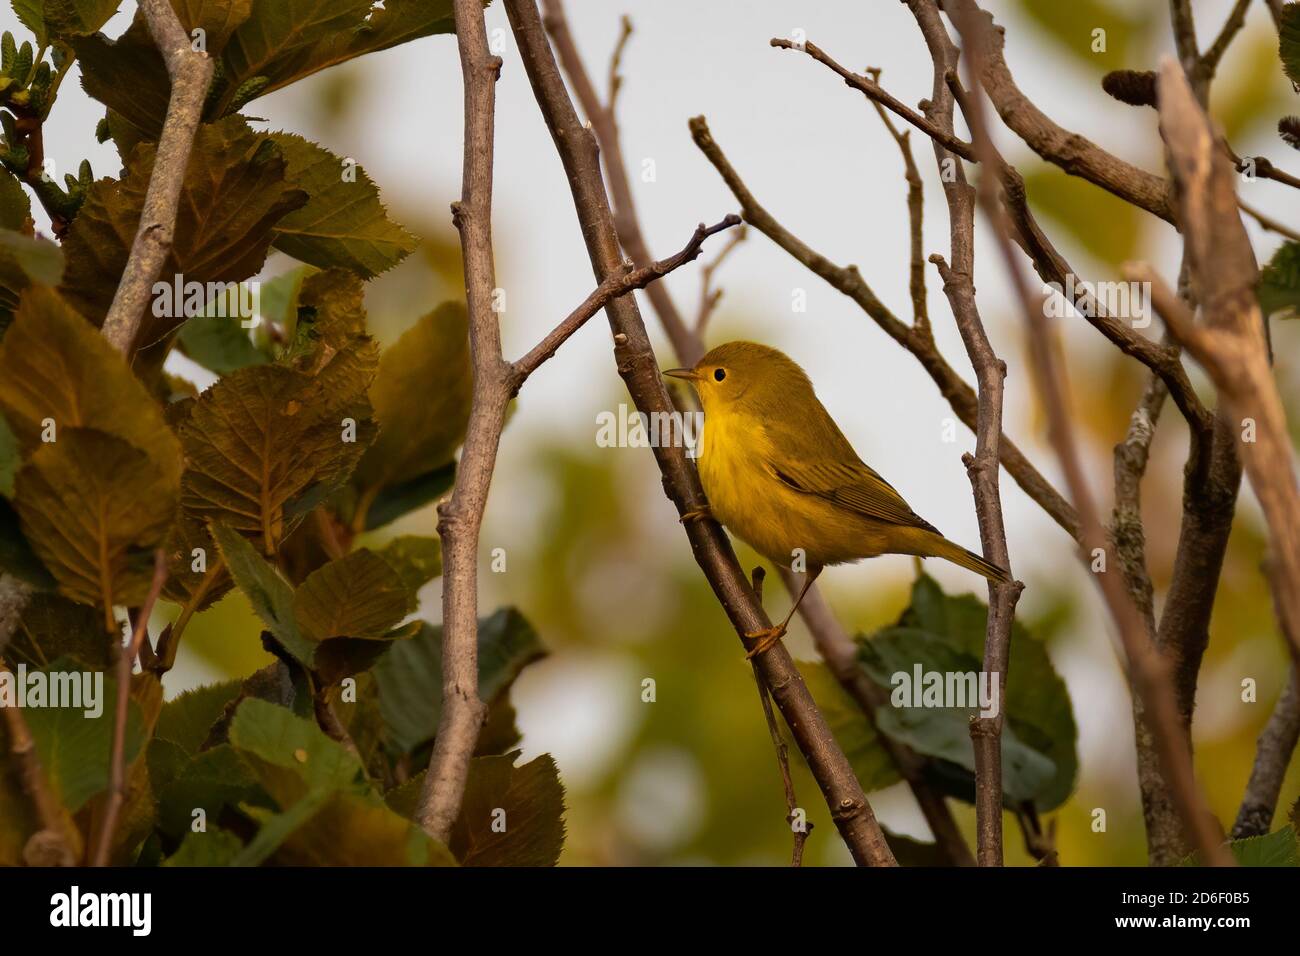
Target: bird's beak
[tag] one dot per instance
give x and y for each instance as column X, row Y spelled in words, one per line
column 687, row 373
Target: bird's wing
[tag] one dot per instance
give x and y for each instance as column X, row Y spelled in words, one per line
column 851, row 483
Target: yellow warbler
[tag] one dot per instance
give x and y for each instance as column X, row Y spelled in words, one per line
column 780, row 474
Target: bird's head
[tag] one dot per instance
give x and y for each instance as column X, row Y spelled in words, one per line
column 745, row 377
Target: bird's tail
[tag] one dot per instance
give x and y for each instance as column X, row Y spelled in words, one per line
column 969, row 560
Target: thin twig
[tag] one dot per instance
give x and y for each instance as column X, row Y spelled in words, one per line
column 125, row 664
column 636, row 362
column 1269, row 223
column 709, row 296
column 1273, row 752
column 800, row 828
column 190, row 71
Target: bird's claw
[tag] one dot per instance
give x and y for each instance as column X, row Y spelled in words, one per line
column 766, row 638
column 696, row 514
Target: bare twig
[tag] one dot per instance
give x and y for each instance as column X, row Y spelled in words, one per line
column 52, row 844
column 617, row 283
column 1231, row 27
column 1273, row 751
column 125, row 663
column 636, row 362
column 709, row 296
column 982, row 467
column 1269, row 223
column 191, row 73
column 802, row 830
column 604, row 126
column 1149, row 670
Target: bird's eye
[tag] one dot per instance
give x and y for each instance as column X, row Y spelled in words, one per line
column 719, row 374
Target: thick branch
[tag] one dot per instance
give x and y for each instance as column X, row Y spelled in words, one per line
column 1075, row 154
column 460, row 518
column 191, row 74
column 640, row 370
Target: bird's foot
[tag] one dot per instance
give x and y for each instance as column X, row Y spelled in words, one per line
column 696, row 514
column 765, row 638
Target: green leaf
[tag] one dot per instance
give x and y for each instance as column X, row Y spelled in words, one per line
column 65, row 18
column 268, row 593
column 359, row 595
column 73, row 746
column 23, row 260
column 211, row 780
column 15, row 206
column 945, row 634
column 1288, row 31
column 234, row 193
column 265, row 437
column 417, row 559
column 273, row 737
column 55, row 367
column 353, row 829
column 410, row 674
column 431, row 359
column 187, row 719
column 220, row 344
column 855, row 734
column 531, row 798
column 344, row 224
column 95, row 509
column 128, row 76
column 1279, row 281
column 1278, row 848
column 393, row 501
column 285, row 40
column 214, row 847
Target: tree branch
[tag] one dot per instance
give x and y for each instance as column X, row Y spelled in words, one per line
column 460, row 518
column 636, row 362
column 191, row 74
column 1273, row 751
column 982, row 467
column 1150, row 671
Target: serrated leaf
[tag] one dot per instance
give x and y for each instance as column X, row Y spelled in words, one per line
column 1278, row 848
column 431, row 359
column 532, row 800
column 856, row 735
column 212, row 780
column 268, row 593
column 409, row 676
column 273, row 737
column 359, row 595
column 352, row 829
column 55, row 366
column 233, row 195
column 344, row 224
column 128, row 76
column 187, row 719
column 95, row 509
column 1279, row 281
column 15, row 206
column 66, row 18
column 73, row 746
column 265, row 437
column 220, row 344
column 1288, row 31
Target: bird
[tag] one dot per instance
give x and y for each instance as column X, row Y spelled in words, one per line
column 780, row 475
